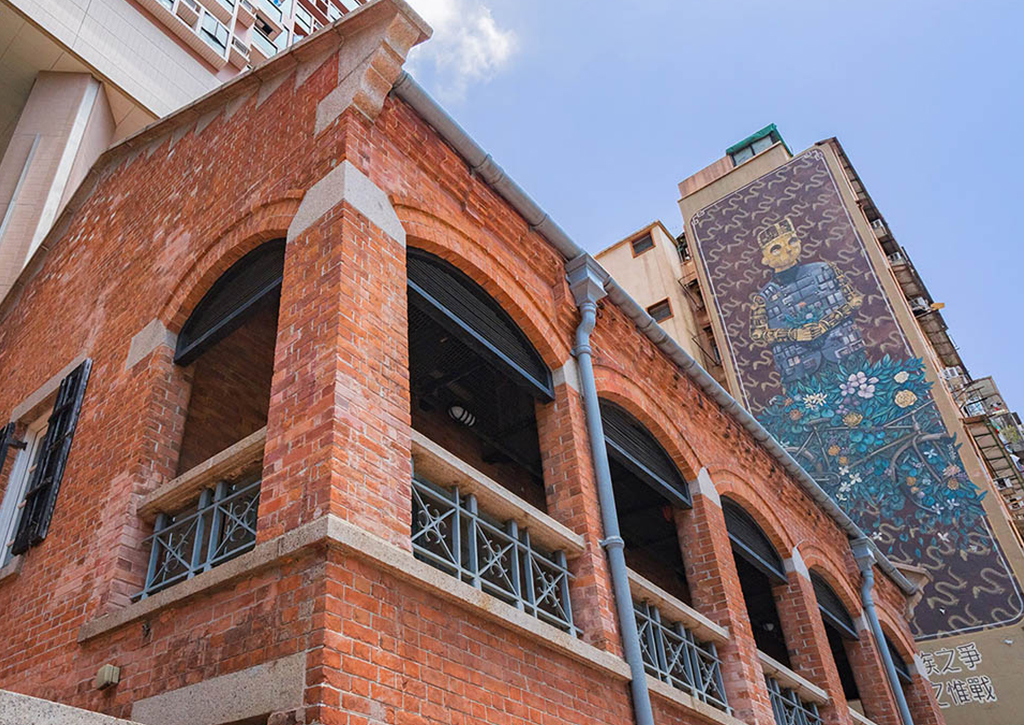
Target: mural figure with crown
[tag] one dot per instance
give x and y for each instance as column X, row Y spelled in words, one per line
column 806, row 311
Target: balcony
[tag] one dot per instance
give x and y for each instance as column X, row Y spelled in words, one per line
column 678, row 643
column 273, row 15
column 475, row 530
column 246, row 13
column 189, row 12
column 795, row 701
column 239, row 52
column 262, row 47
column 223, row 10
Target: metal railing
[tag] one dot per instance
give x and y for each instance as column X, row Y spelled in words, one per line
column 787, row 706
column 674, row 655
column 451, row 534
column 218, row 527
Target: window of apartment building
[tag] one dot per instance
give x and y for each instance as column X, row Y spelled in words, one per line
column 214, row 32
column 753, row 145
column 642, row 244
column 683, row 248
column 34, row 482
column 648, row 487
column 660, row 310
column 760, row 570
column 841, row 631
column 475, row 378
column 303, row 20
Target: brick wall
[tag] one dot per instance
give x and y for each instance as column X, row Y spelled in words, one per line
column 160, row 226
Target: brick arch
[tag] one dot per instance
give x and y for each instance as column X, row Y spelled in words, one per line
column 896, row 634
column 818, row 561
column 616, row 387
column 447, row 240
column 734, row 486
column 247, row 230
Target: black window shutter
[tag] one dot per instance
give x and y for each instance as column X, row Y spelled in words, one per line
column 632, row 445
column 751, row 543
column 43, row 486
column 832, row 609
column 902, row 671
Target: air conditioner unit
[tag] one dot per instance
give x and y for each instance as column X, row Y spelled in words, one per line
column 920, row 304
column 881, row 230
column 952, row 372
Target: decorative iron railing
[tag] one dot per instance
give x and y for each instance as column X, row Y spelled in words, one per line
column 451, row 534
column 674, row 655
column 219, row 526
column 789, row 709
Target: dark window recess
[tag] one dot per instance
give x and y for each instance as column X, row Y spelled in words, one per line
column 254, row 278
column 44, row 485
column 837, row 644
column 832, row 609
column 759, row 600
column 8, row 441
column 474, row 377
column 458, row 303
column 902, row 671
column 642, row 244
column 634, row 448
column 660, row 310
column 751, row 543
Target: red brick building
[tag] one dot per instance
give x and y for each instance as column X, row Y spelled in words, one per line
column 301, row 434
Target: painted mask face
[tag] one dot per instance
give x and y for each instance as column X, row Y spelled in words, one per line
column 782, row 252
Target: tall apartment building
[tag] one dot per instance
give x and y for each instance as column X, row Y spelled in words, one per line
column 348, row 430
column 818, row 322
column 77, row 76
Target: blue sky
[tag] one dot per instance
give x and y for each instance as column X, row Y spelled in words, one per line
column 599, row 109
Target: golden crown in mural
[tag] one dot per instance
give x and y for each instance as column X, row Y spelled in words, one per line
column 773, row 231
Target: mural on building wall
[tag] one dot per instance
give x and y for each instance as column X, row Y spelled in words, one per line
column 823, row 364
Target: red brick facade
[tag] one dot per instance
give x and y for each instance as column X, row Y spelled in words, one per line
column 169, row 213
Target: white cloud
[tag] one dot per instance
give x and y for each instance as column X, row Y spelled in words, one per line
column 467, row 47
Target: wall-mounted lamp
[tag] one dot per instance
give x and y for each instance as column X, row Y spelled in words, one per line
column 461, row 415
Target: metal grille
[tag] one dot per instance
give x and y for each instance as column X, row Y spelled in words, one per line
column 674, row 655
column 750, row 542
column 451, row 534
column 220, row 526
column 471, row 313
column 789, row 709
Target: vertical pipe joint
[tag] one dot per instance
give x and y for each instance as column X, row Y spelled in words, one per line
column 862, row 552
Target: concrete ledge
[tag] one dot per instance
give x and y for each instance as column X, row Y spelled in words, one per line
column 792, row 681
column 433, row 463
column 12, row 567
column 231, row 461
column 257, row 691
column 333, row 531
column 674, row 609
column 18, row 709
column 860, row 719
column 676, row 696
column 44, row 391
column 148, row 339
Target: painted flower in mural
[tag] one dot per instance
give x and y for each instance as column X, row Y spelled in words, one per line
column 870, row 433
column 853, row 419
column 813, row 401
column 905, row 398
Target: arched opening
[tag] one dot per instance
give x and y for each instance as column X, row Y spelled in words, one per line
column 228, row 342
column 475, row 379
column 648, row 487
column 841, row 632
column 760, row 569
column 903, row 673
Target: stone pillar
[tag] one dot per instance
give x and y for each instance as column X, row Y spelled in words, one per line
column 716, row 593
column 63, row 128
column 572, row 500
column 806, row 639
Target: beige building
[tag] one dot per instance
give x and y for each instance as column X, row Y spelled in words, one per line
column 79, row 75
column 788, row 285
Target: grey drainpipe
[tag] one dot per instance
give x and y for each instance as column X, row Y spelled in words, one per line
column 862, row 551
column 587, row 288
